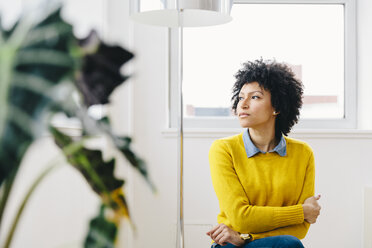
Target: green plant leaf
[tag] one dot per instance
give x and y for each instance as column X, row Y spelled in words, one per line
column 102, row 232
column 33, row 60
column 98, row 173
column 123, row 144
column 36, row 61
column 100, row 72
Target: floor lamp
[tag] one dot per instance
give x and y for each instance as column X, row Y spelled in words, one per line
column 180, row 14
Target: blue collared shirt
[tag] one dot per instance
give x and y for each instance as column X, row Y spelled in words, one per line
column 252, row 150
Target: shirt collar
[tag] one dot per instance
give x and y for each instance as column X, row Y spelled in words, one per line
column 252, row 150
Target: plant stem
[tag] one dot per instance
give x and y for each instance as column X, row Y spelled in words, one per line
column 8, row 183
column 70, row 149
column 25, row 201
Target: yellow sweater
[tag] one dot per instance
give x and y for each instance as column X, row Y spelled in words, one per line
column 262, row 195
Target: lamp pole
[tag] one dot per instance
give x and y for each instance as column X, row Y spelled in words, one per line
column 204, row 13
column 180, row 221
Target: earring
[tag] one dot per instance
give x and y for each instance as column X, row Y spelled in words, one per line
column 275, row 113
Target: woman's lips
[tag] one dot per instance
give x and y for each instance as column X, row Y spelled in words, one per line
column 243, row 115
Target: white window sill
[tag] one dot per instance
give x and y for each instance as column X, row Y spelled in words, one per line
column 302, row 133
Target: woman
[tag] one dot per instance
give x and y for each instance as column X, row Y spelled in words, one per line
column 264, row 181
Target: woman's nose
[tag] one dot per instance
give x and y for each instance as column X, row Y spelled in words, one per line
column 244, row 104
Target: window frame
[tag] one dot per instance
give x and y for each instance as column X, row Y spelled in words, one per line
column 350, row 80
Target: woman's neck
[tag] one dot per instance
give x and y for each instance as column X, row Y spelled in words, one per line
column 264, row 140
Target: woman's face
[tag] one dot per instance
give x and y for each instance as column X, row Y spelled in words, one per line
column 254, row 108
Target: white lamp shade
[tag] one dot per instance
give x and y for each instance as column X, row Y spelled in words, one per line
column 187, row 13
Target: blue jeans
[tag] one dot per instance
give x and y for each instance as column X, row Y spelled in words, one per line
column 282, row 241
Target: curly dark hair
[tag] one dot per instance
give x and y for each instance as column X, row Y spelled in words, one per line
column 286, row 91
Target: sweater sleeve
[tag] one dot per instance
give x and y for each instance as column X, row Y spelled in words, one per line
column 299, row 230
column 242, row 216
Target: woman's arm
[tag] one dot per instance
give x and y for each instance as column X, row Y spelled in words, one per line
column 246, row 218
column 311, row 213
column 311, row 209
column 222, row 234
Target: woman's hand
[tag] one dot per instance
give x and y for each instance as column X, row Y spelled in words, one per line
column 311, row 209
column 222, row 234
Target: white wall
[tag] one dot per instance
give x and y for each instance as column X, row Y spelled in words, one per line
column 364, row 72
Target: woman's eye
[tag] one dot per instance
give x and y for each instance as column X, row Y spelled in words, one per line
column 255, row 97
column 240, row 98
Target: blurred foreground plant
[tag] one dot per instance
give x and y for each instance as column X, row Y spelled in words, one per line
column 41, row 65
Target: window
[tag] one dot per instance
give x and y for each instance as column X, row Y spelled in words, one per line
column 321, row 52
